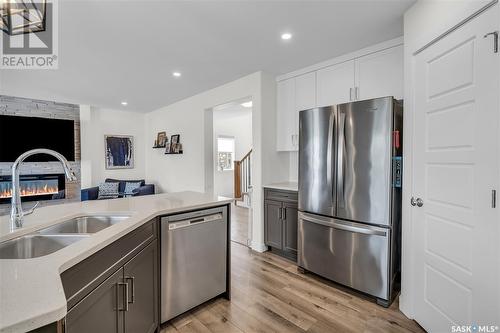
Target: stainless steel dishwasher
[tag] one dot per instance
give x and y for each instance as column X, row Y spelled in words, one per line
column 193, row 259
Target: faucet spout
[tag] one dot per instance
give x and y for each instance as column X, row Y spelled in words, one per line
column 16, row 210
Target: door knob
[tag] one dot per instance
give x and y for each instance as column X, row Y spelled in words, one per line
column 418, row 202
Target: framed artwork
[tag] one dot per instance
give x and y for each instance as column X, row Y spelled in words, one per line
column 167, row 148
column 161, row 139
column 175, row 139
column 119, row 151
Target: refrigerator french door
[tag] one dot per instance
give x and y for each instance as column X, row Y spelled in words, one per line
column 349, row 194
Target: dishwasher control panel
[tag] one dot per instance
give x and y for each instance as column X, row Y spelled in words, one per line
column 195, row 220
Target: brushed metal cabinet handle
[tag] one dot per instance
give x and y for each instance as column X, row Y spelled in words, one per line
column 125, row 296
column 132, row 288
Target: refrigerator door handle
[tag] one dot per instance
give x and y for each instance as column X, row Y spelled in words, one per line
column 340, row 161
column 330, row 155
column 347, row 226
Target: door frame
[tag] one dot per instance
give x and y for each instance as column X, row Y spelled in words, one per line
column 407, row 296
column 210, row 151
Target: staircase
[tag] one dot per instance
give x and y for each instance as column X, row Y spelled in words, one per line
column 243, row 177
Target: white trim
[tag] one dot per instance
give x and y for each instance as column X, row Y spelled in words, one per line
column 259, row 247
column 407, row 297
column 343, row 58
column 457, row 26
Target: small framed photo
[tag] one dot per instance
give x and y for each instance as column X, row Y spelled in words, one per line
column 161, row 139
column 167, row 148
column 175, row 139
column 177, row 148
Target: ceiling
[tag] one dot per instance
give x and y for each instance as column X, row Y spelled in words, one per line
column 114, row 51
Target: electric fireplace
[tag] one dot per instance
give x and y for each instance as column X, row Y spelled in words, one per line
column 34, row 187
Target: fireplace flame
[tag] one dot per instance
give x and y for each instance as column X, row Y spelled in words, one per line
column 30, row 191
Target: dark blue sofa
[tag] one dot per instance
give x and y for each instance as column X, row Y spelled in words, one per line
column 92, row 193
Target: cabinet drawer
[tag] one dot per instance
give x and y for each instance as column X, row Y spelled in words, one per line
column 82, row 278
column 281, row 195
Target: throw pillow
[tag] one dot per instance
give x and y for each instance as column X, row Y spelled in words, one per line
column 130, row 187
column 108, row 191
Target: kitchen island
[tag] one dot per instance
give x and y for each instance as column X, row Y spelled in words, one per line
column 31, row 290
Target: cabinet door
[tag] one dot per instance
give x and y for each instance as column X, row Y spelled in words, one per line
column 141, row 274
column 101, row 311
column 305, row 92
column 286, row 119
column 273, row 232
column 305, row 99
column 380, row 74
column 334, row 84
column 290, row 219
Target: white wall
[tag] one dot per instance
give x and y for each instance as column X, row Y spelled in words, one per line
column 423, row 22
column 97, row 122
column 233, row 121
column 191, row 119
column 294, row 166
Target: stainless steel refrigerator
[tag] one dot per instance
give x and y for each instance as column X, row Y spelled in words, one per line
column 350, row 194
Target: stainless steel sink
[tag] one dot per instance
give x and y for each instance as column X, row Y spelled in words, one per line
column 36, row 245
column 56, row 237
column 84, row 224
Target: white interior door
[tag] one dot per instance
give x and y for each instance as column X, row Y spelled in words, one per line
column 456, row 155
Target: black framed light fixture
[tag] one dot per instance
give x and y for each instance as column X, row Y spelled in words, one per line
column 22, row 16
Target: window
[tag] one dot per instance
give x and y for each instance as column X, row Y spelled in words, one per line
column 225, row 153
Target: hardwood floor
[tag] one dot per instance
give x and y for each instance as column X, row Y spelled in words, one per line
column 269, row 295
column 239, row 224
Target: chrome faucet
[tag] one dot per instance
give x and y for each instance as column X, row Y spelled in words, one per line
column 16, row 210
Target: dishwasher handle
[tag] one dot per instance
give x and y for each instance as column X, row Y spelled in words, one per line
column 195, row 221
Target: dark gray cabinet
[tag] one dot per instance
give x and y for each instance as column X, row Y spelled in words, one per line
column 140, row 274
column 280, row 222
column 273, row 224
column 290, row 219
column 116, row 289
column 101, row 310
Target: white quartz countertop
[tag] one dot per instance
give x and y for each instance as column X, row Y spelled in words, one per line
column 288, row 186
column 31, row 291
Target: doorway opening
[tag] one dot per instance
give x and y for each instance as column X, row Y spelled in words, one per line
column 232, row 156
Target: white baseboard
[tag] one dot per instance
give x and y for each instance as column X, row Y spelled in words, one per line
column 259, row 247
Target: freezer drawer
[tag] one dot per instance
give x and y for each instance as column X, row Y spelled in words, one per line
column 352, row 254
column 193, row 260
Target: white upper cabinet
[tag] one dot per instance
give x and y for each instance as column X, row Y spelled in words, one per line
column 380, row 74
column 286, row 118
column 305, row 92
column 294, row 95
column 370, row 73
column 335, row 84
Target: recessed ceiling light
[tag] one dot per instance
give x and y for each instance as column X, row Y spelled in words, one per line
column 286, row 36
column 247, row 104
column 124, row 103
column 176, row 74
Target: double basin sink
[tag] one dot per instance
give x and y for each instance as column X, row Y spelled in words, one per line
column 56, row 237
